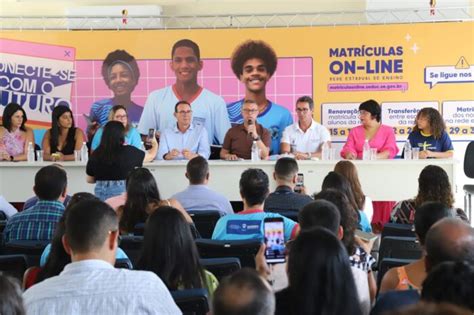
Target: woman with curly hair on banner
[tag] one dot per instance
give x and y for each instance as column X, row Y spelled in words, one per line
column 121, row 73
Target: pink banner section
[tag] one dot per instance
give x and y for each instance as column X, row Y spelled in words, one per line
column 362, row 87
column 47, row 51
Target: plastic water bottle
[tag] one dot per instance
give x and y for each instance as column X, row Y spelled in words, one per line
column 407, row 150
column 325, row 151
column 31, row 152
column 255, row 152
column 84, row 153
column 366, row 150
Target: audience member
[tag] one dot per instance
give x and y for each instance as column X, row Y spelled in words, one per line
column 93, row 285
column 141, row 199
column 132, row 137
column 39, row 221
column 11, row 302
column 433, row 185
column 198, row 196
column 411, row 276
column 60, row 142
column 380, row 137
column 14, row 135
column 430, row 136
column 284, row 198
column 110, row 164
column 184, row 139
column 349, row 171
column 305, row 138
column 243, row 293
column 248, row 224
column 254, row 62
column 209, row 109
column 430, row 309
column 451, row 282
column 168, row 239
column 239, row 139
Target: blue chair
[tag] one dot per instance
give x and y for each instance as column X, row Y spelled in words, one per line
column 192, row 301
column 400, row 248
column 205, row 221
column 123, row 263
column 387, row 264
column 31, row 248
column 245, row 251
column 13, row 265
column 397, row 229
column 131, row 245
column 221, row 267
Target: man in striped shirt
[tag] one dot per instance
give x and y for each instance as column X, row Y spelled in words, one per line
column 39, row 221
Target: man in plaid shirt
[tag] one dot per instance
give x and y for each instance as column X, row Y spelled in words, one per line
column 39, row 221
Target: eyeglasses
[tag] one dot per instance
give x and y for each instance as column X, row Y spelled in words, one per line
column 185, row 112
column 250, row 111
column 303, row 110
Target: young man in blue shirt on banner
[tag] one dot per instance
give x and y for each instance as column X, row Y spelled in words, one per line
column 209, row 109
column 248, row 224
column 254, row 63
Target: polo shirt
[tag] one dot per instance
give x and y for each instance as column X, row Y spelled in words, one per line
column 201, row 197
column 248, row 224
column 308, row 141
column 285, row 199
column 35, row 223
column 194, row 139
column 237, row 141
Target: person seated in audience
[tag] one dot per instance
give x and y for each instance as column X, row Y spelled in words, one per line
column 11, row 302
column 244, row 292
column 450, row 282
column 7, row 208
column 185, row 139
column 349, row 171
column 90, row 284
column 110, row 164
column 284, row 198
column 198, row 196
column 141, row 200
column 319, row 276
column 170, row 252
column 381, row 137
column 239, row 139
column 433, row 185
column 132, row 137
column 411, row 276
column 54, row 257
column 339, row 182
column 424, row 308
column 39, row 221
column 305, row 138
column 430, row 136
column 325, row 214
column 359, row 252
column 14, row 135
column 449, row 239
column 60, row 142
column 248, row 224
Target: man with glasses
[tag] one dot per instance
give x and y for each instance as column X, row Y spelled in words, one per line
column 239, row 139
column 305, row 138
column 185, row 140
column 209, row 109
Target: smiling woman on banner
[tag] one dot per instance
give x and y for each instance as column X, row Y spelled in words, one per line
column 14, row 135
column 381, row 137
column 63, row 138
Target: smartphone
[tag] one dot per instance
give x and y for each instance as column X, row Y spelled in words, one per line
column 299, row 182
column 150, row 135
column 273, row 229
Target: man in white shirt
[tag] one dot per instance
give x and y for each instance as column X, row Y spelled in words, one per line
column 305, row 138
column 90, row 284
column 184, row 140
column 209, row 109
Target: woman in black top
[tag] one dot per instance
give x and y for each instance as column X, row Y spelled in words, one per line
column 63, row 138
column 110, row 164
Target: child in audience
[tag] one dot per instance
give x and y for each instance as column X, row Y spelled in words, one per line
column 429, row 134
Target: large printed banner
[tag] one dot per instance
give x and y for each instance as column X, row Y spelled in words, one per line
column 403, row 67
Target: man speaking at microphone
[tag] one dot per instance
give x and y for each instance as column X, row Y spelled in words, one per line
column 239, row 139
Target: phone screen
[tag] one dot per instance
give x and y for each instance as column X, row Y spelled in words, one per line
column 299, row 182
column 274, row 240
column 151, row 133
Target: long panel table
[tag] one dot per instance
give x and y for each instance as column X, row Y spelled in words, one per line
column 381, row 180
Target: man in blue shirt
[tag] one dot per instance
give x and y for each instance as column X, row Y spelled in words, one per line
column 198, row 196
column 184, row 140
column 248, row 224
column 39, row 221
column 254, row 63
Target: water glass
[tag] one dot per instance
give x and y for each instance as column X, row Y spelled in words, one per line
column 373, row 153
column 39, row 155
column 332, row 153
column 415, row 153
column 77, row 155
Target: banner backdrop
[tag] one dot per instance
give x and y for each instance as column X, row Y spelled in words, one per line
column 404, row 67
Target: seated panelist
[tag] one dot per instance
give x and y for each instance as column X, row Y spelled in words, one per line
column 239, row 139
column 184, row 140
column 306, row 137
